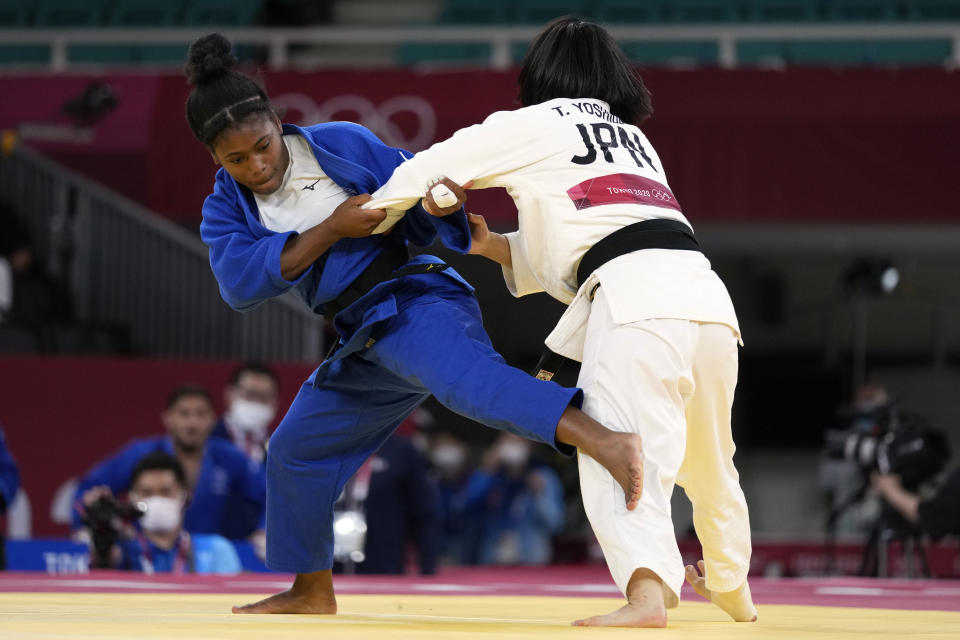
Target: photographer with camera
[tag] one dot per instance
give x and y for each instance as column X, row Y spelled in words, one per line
column 935, row 516
column 145, row 533
column 221, row 480
column 897, row 452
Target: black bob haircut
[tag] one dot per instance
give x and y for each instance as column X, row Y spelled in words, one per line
column 159, row 461
column 573, row 58
column 188, row 391
column 221, row 96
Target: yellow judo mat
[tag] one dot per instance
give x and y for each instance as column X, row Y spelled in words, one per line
column 394, row 617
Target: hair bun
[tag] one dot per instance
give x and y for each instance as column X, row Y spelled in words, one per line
column 209, row 57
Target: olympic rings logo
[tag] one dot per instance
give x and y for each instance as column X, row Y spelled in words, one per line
column 382, row 119
column 660, row 195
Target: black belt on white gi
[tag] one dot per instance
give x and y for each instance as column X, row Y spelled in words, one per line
column 650, row 234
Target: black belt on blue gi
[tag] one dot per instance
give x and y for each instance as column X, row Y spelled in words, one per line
column 650, row 234
column 388, row 265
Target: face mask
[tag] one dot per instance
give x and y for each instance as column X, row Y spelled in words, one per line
column 250, row 417
column 447, row 457
column 162, row 514
column 514, row 453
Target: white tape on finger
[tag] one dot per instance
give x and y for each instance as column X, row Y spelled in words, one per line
column 443, row 196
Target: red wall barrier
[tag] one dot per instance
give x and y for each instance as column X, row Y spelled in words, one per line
column 61, row 415
column 863, row 145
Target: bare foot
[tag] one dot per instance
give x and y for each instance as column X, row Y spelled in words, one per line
column 626, row 616
column 738, row 604
column 622, row 455
column 310, row 593
column 644, row 608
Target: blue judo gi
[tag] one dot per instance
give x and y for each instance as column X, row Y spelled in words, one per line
column 403, row 340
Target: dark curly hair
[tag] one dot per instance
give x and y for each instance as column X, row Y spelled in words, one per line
column 573, row 58
column 221, row 96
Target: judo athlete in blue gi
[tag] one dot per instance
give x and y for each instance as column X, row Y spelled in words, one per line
column 286, row 214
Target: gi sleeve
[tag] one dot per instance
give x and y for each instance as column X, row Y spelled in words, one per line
column 416, row 224
column 247, row 268
column 482, row 153
column 519, row 278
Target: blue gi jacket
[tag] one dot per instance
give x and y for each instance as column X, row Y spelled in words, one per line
column 245, row 255
column 226, row 476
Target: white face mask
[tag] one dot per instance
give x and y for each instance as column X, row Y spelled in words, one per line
column 447, row 457
column 250, row 417
column 514, row 453
column 162, row 514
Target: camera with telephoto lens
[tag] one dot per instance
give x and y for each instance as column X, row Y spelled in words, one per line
column 890, row 441
column 105, row 519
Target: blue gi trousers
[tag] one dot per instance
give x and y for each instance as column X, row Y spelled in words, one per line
column 431, row 341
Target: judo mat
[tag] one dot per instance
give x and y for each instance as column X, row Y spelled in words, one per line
column 460, row 604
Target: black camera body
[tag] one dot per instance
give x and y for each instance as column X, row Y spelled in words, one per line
column 890, row 441
column 106, row 518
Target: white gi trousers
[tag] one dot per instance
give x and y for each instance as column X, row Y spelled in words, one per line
column 671, row 382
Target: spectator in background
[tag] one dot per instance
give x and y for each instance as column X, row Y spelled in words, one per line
column 937, row 515
column 521, row 503
column 852, row 510
column 216, row 472
column 157, row 543
column 9, row 484
column 449, row 457
column 401, row 508
column 251, row 401
column 28, row 296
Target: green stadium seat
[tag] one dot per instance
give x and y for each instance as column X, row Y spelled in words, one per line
column 24, row 54
column 543, row 11
column 615, row 12
column 933, row 10
column 221, row 12
column 847, row 52
column 863, row 10
column 476, row 11
column 145, row 13
column 784, row 11
column 671, row 53
column 416, row 53
column 15, row 13
column 127, row 55
column 70, row 13
column 704, row 11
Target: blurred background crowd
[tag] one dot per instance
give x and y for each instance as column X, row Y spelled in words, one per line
column 810, row 145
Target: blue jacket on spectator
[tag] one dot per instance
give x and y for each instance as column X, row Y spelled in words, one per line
column 227, row 478
column 509, row 523
column 9, row 475
column 209, row 553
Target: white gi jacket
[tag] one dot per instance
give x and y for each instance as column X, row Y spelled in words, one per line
column 576, row 174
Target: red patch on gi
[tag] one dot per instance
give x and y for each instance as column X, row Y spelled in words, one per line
column 622, row 188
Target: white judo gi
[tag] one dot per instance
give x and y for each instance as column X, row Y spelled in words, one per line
column 658, row 341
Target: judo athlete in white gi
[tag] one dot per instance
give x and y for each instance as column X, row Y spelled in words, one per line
column 650, row 321
column 285, row 216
